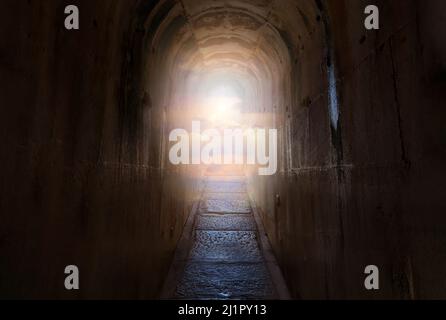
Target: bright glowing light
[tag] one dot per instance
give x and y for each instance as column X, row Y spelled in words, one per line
column 222, row 106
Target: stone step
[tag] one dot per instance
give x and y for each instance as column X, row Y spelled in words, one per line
column 225, row 196
column 225, row 187
column 224, row 246
column 225, row 206
column 225, row 281
column 232, row 222
column 225, row 260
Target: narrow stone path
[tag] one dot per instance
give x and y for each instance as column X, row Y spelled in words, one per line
column 225, row 259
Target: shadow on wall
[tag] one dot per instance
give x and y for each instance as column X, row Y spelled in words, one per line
column 362, row 192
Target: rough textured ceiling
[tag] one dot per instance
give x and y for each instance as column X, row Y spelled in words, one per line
column 252, row 37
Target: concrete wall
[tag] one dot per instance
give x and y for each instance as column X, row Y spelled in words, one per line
column 83, row 178
column 366, row 190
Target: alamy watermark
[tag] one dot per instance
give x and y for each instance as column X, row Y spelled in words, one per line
column 252, row 146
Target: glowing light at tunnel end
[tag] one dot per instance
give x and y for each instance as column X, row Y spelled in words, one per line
column 225, row 146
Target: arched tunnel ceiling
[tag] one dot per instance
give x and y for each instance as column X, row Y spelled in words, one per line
column 253, row 37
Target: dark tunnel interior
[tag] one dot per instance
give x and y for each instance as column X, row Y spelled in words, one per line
column 86, row 115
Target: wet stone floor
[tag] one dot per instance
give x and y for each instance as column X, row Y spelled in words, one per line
column 225, row 261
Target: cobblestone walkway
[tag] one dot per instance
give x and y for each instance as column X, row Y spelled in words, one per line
column 225, row 260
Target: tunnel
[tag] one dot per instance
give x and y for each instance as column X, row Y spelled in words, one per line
column 85, row 121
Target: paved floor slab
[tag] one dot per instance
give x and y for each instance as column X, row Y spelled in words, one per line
column 225, row 206
column 226, row 223
column 225, row 260
column 225, row 196
column 225, row 281
column 226, row 179
column 225, row 187
column 225, row 246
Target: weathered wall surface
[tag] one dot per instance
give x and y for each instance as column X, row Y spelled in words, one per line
column 82, row 178
column 367, row 189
